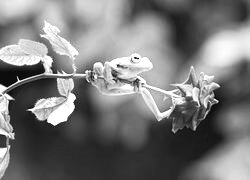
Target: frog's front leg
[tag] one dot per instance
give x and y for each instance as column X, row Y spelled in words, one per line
column 105, row 78
column 124, row 89
column 108, row 87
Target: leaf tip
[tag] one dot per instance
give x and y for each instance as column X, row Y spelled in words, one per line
column 31, row 109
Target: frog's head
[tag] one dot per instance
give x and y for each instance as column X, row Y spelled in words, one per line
column 130, row 67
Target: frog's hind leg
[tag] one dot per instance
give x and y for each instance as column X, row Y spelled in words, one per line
column 115, row 90
column 150, row 102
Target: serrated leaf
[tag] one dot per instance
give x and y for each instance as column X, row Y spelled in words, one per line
column 4, row 160
column 33, row 47
column 65, row 86
column 59, row 44
column 50, row 29
column 44, row 107
column 5, row 127
column 13, row 54
column 62, row 113
column 191, row 77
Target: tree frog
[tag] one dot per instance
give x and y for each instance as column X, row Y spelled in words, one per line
column 111, row 76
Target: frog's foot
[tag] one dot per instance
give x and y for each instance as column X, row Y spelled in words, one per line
column 138, row 84
column 159, row 116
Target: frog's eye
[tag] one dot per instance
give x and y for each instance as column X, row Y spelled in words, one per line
column 135, row 58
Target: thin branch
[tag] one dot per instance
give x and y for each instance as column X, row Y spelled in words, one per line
column 42, row 76
column 75, row 76
column 168, row 93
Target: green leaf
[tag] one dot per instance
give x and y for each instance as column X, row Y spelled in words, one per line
column 5, row 127
column 63, row 111
column 13, row 54
column 33, row 47
column 44, row 107
column 55, row 110
column 65, row 86
column 4, row 160
column 59, row 44
column 4, row 101
column 4, row 104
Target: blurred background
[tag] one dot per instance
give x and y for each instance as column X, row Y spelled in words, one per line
column 117, row 138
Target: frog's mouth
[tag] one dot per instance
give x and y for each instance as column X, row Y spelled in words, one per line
column 134, row 67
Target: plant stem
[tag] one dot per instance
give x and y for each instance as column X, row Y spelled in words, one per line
column 74, row 76
column 42, row 76
column 168, row 93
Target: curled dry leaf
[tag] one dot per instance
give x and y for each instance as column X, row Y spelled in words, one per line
column 195, row 101
column 59, row 44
